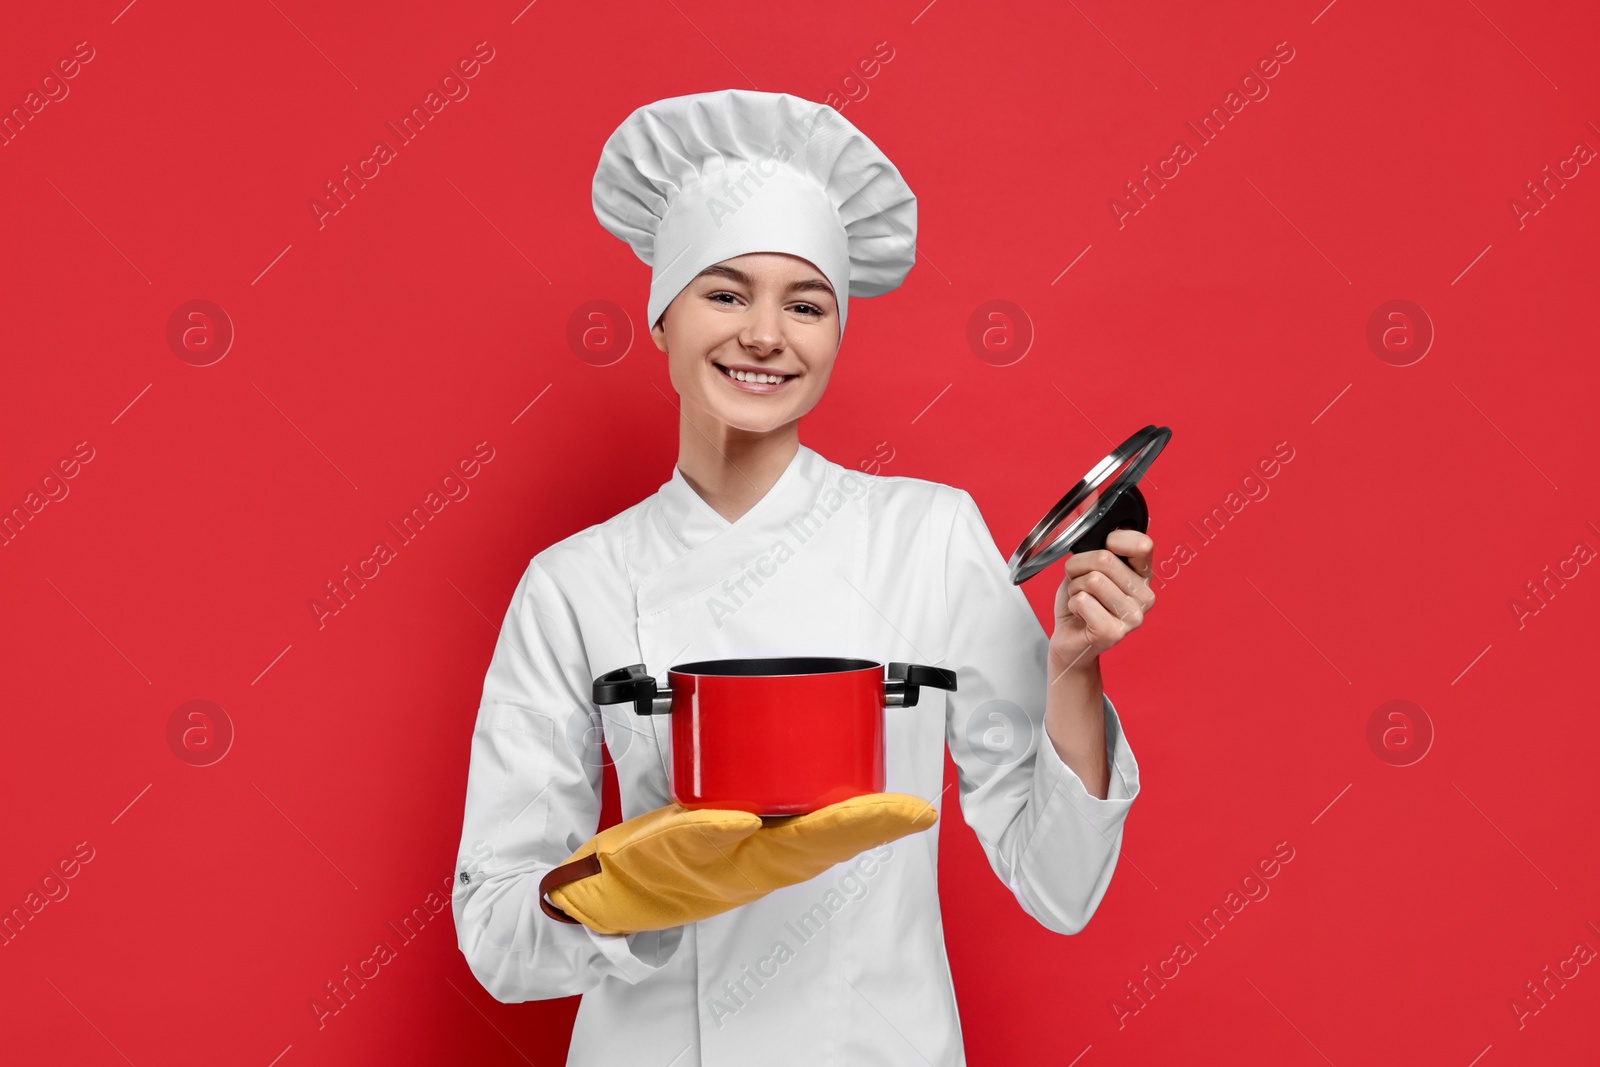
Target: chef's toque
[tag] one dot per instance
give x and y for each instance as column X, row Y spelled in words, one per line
column 693, row 180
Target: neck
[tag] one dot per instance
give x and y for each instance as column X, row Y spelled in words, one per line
column 732, row 469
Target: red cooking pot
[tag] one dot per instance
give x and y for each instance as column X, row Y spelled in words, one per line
column 779, row 736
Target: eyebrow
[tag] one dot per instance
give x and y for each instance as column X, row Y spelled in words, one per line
column 718, row 270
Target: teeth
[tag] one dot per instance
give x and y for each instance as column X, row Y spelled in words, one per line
column 747, row 376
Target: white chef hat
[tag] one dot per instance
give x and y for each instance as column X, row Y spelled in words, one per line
column 693, row 180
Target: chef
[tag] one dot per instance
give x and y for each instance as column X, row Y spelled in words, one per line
column 760, row 215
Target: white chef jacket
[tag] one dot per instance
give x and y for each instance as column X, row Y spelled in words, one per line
column 850, row 967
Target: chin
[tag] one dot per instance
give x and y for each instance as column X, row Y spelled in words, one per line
column 747, row 423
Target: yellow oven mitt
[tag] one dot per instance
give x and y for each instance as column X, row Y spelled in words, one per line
column 677, row 865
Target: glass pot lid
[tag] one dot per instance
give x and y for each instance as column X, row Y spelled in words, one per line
column 1107, row 498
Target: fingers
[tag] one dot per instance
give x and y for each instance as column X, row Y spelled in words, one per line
column 1097, row 590
column 1104, row 628
column 1119, row 587
column 1136, row 546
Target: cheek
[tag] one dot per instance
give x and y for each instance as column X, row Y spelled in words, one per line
column 821, row 371
column 816, row 385
column 687, row 376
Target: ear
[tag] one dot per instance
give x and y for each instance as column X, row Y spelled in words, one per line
column 658, row 332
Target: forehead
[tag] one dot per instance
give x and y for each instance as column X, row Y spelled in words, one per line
column 773, row 264
column 770, row 268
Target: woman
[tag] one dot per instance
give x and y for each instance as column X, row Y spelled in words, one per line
column 760, row 215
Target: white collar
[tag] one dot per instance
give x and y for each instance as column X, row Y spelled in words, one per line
column 693, row 522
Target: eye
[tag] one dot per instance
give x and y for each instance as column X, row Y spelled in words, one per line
column 809, row 309
column 720, row 293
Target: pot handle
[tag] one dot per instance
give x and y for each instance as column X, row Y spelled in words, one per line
column 632, row 684
column 903, row 680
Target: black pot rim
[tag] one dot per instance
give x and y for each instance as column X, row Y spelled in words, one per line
column 776, row 667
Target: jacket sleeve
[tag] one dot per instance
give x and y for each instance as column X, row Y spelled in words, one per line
column 1051, row 842
column 533, row 796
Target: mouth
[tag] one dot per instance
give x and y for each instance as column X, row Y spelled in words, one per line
column 745, row 386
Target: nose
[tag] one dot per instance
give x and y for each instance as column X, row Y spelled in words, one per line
column 762, row 332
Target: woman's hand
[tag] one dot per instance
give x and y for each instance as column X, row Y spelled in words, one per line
column 676, row 865
column 1102, row 599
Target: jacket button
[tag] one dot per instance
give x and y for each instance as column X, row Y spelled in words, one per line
column 465, row 877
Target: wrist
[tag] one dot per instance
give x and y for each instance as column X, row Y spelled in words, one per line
column 1072, row 657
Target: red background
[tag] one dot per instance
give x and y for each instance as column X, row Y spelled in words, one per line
column 425, row 316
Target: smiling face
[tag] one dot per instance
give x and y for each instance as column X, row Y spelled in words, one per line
column 756, row 317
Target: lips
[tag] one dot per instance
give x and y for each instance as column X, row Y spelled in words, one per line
column 753, row 387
